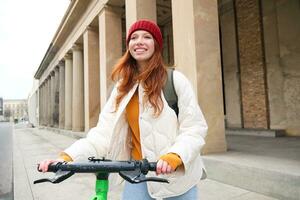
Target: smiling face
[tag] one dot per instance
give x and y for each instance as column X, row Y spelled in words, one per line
column 141, row 46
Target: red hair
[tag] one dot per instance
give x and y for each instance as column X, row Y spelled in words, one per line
column 153, row 78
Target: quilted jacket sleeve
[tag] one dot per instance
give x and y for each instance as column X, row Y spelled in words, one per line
column 192, row 124
column 98, row 138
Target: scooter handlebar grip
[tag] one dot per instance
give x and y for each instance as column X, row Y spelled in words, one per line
column 152, row 166
column 53, row 167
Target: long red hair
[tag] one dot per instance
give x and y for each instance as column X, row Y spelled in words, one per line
column 153, row 78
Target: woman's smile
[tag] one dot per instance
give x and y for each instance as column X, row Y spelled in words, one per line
column 140, row 50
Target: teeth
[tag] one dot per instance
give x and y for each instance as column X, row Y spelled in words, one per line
column 140, row 50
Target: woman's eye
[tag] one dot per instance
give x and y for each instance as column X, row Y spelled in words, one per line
column 148, row 37
column 133, row 37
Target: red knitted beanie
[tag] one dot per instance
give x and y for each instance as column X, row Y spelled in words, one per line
column 149, row 26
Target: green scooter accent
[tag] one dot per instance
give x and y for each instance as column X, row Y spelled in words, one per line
column 101, row 188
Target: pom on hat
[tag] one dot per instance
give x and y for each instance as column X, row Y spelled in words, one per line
column 148, row 26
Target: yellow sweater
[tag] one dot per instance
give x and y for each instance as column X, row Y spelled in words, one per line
column 132, row 114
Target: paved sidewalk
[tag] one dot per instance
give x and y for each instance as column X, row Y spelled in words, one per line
column 32, row 145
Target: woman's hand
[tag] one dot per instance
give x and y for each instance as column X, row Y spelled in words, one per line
column 43, row 166
column 162, row 167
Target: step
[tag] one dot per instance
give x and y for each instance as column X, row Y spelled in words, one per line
column 269, row 166
column 255, row 132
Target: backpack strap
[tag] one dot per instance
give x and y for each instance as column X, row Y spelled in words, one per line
column 170, row 93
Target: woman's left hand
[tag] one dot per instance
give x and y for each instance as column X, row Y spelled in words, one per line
column 162, row 167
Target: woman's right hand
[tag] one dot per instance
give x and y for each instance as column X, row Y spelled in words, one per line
column 43, row 165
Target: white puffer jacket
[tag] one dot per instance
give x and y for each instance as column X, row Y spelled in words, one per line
column 158, row 135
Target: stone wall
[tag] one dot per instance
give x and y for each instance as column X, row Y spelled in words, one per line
column 269, row 71
column 288, row 15
column 282, row 47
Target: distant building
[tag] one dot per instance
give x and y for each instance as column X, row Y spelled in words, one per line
column 1, row 109
column 15, row 110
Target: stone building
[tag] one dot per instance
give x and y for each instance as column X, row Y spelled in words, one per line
column 15, row 110
column 241, row 56
column 1, row 109
column 261, row 66
column 32, row 102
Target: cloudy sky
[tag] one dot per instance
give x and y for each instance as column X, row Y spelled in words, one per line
column 26, row 29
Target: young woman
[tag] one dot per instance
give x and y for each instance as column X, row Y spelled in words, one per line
column 137, row 122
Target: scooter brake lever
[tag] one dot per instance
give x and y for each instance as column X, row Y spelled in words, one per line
column 58, row 177
column 137, row 177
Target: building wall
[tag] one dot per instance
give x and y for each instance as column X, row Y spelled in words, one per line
column 244, row 70
column 17, row 108
column 289, row 39
column 1, row 109
column 276, row 51
column 252, row 65
column 33, row 114
column 282, row 41
column 33, row 104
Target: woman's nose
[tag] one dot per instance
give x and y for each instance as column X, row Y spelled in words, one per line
column 139, row 41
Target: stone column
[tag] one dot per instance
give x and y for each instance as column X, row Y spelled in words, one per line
column 43, row 111
column 252, row 64
column 52, row 98
column 44, row 114
column 40, row 104
column 230, row 65
column 56, row 97
column 46, row 103
column 91, row 78
column 197, row 54
column 77, row 97
column 68, row 90
column 61, row 94
column 139, row 9
column 49, row 115
column 110, row 38
column 274, row 68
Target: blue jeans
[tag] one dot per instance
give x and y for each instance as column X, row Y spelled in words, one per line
column 139, row 192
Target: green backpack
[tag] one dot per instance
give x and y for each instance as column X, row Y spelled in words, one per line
column 170, row 93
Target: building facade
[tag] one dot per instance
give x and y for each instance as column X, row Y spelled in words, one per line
column 32, row 102
column 243, row 68
column 15, row 110
column 261, row 66
column 1, row 109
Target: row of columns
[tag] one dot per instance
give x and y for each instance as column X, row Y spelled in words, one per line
column 70, row 96
column 61, row 94
column 87, row 69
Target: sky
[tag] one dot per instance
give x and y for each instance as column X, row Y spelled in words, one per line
column 27, row 27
